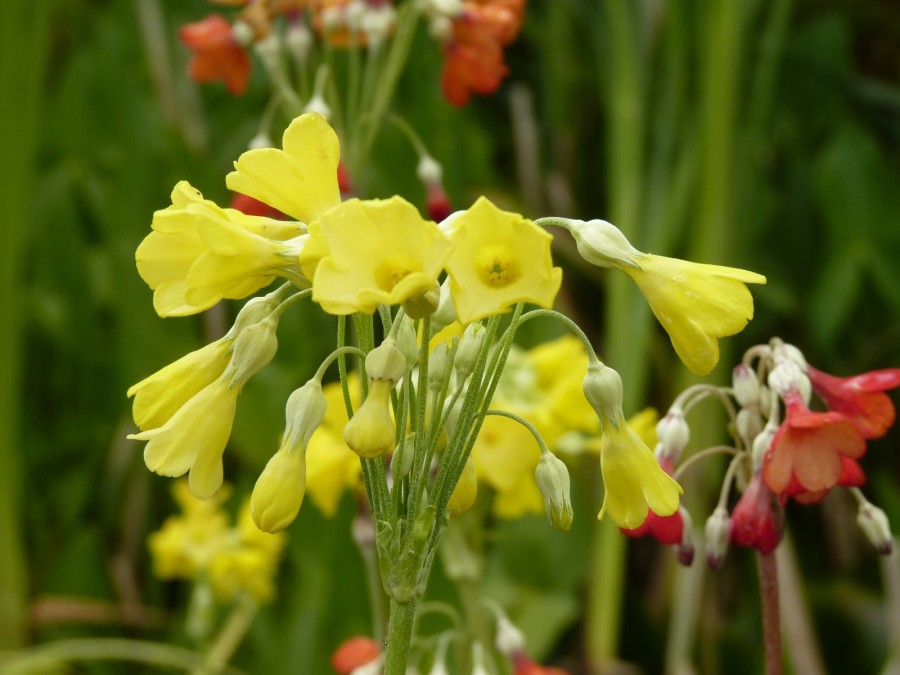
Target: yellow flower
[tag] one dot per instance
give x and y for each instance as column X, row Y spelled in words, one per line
column 201, row 544
column 465, row 491
column 158, row 397
column 498, row 259
column 379, row 251
column 198, row 253
column 559, row 388
column 194, row 438
column 632, row 478
column 301, row 179
column 695, row 303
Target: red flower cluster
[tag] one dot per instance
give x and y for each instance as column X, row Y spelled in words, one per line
column 217, row 53
column 473, row 57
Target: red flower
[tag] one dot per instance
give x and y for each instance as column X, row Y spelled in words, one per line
column 861, row 399
column 522, row 665
column 667, row 530
column 473, row 58
column 354, row 653
column 254, row 207
column 806, row 452
column 757, row 520
column 437, row 203
column 217, row 54
column 852, row 475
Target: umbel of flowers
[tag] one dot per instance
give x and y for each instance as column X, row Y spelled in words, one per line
column 424, row 401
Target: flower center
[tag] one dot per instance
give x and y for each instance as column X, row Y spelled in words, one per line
column 393, row 270
column 496, row 267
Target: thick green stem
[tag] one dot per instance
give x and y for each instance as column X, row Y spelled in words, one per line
column 399, row 636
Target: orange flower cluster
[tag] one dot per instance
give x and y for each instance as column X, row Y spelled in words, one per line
column 473, row 57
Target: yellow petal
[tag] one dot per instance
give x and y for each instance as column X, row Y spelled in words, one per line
column 332, row 468
column 301, row 179
column 695, row 303
column 499, row 259
column 159, row 396
column 279, row 490
column 633, row 480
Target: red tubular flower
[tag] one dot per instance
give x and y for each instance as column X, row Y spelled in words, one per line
column 473, row 58
column 354, row 653
column 757, row 520
column 217, row 54
column 807, row 449
column 861, row 399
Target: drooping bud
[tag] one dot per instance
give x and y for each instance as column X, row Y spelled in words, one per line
column 761, row 444
column 603, row 390
column 508, row 639
column 253, row 349
column 445, row 314
column 673, row 434
column 718, row 532
column 370, row 432
column 386, row 362
column 875, row 525
column 465, row 491
column 469, row 347
column 405, row 339
column 602, row 243
column 255, row 310
column 437, row 364
column 684, row 552
column 749, row 423
column 552, row 478
column 423, row 304
column 787, row 377
column 746, row 386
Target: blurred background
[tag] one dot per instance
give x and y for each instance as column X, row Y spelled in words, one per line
column 752, row 133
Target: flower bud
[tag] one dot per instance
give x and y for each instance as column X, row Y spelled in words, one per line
column 602, row 243
column 465, row 491
column 445, row 314
column 673, row 433
column 429, row 170
column 386, row 362
column 405, row 339
column 509, row 640
column 783, row 351
column 424, row 304
column 746, row 386
column 603, row 390
column 718, row 532
column 278, row 493
column 437, row 364
column 402, row 459
column 786, row 377
column 370, row 432
column 255, row 310
column 298, row 40
column 552, row 479
column 437, row 203
column 749, row 423
column 761, row 445
column 874, row 524
column 469, row 347
column 253, row 349
column 684, row 552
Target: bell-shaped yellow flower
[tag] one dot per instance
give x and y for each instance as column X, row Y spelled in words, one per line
column 300, row 180
column 158, row 397
column 632, row 478
column 198, row 253
column 379, row 252
column 695, row 303
column 498, row 259
column 194, row 438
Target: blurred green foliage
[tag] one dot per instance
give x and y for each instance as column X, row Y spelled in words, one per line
column 102, row 123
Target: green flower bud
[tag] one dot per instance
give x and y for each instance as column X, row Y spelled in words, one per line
column 603, row 390
column 253, row 349
column 552, row 479
column 445, row 314
column 469, row 347
column 875, row 525
column 718, row 530
column 424, row 304
column 386, row 362
column 602, row 243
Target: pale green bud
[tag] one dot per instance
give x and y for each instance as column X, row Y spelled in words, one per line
column 469, row 347
column 253, row 349
column 746, row 386
column 405, row 338
column 508, row 639
column 603, row 244
column 875, row 525
column 255, row 310
column 445, row 314
column 673, row 433
column 552, row 479
column 424, row 304
column 718, row 530
column 436, row 366
column 761, row 445
column 749, row 423
column 304, row 412
column 386, row 362
column 402, row 459
column 603, row 390
column 787, row 377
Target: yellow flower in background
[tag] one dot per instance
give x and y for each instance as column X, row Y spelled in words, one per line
column 201, row 544
column 559, row 366
column 695, row 303
column 300, row 180
column 498, row 259
column 465, row 491
column 198, row 253
column 633, row 479
column 380, row 251
column 158, row 397
column 194, row 438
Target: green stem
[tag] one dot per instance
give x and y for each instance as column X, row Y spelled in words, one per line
column 399, row 636
column 229, row 637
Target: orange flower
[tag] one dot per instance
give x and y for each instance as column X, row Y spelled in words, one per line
column 861, row 398
column 354, row 653
column 217, row 53
column 807, row 449
column 473, row 57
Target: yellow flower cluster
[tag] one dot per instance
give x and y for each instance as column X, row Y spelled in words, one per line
column 201, row 544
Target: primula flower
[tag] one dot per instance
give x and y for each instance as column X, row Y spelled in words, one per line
column 852, row 475
column 861, row 399
column 757, row 519
column 354, row 653
column 635, row 483
column 695, row 303
column 198, row 253
column 807, row 448
column 217, row 53
column 301, row 180
column 667, row 530
column 498, row 259
column 378, row 251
